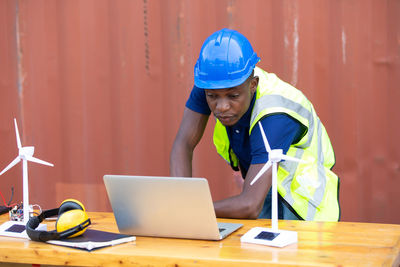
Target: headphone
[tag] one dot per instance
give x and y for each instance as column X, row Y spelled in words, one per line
column 72, row 221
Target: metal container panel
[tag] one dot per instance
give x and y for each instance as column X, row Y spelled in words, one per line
column 99, row 87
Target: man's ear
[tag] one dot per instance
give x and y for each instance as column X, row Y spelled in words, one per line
column 254, row 84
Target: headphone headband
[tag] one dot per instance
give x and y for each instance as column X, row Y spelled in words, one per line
column 74, row 230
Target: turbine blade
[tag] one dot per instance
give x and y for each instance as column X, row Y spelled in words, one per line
column 15, row 161
column 261, row 172
column 33, row 159
column 17, row 134
column 289, row 158
column 267, row 147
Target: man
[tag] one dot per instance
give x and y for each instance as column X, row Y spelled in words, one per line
column 239, row 94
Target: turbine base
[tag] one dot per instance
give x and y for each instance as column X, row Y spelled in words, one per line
column 17, row 229
column 268, row 237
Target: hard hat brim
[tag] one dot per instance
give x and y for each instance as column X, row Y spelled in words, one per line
column 225, row 83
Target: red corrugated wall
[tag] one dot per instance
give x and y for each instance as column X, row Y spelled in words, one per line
column 99, row 87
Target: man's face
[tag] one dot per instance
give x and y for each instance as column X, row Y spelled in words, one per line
column 230, row 104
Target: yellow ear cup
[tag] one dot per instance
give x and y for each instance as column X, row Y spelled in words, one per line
column 70, row 219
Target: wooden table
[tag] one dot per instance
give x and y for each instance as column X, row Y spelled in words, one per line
column 320, row 244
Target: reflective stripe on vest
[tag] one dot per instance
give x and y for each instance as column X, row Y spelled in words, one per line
column 311, row 188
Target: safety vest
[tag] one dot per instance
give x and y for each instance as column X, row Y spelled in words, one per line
column 310, row 187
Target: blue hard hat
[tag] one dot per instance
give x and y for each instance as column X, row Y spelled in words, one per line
column 226, row 60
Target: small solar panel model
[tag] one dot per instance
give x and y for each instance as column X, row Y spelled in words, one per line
column 271, row 236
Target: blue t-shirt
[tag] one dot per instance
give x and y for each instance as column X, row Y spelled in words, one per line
column 281, row 131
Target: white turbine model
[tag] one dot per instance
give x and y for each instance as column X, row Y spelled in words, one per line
column 265, row 236
column 25, row 154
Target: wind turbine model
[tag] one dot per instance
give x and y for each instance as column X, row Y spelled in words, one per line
column 25, row 154
column 266, row 236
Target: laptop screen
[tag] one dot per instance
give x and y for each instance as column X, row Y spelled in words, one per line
column 162, row 206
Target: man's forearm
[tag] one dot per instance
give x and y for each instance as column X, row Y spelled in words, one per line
column 248, row 204
column 189, row 134
column 180, row 164
column 235, row 207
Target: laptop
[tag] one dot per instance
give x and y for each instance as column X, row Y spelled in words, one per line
column 165, row 207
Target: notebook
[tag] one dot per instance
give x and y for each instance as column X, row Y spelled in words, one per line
column 165, row 207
